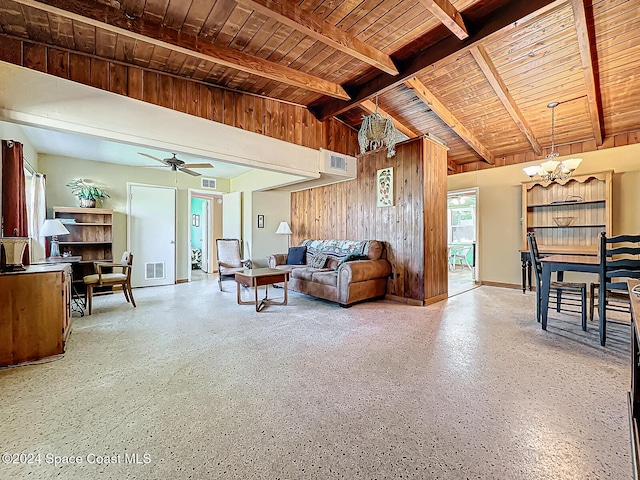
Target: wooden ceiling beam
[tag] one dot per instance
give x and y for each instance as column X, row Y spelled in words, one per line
column 291, row 15
column 444, row 11
column 113, row 20
column 584, row 45
column 509, row 16
column 495, row 80
column 370, row 107
column 424, row 94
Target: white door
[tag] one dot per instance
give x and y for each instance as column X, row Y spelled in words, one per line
column 232, row 215
column 152, row 234
column 206, row 236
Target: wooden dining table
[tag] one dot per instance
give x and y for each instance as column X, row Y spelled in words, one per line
column 561, row 264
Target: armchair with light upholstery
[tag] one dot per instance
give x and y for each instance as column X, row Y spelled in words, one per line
column 229, row 258
column 109, row 275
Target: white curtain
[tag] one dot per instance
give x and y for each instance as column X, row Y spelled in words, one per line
column 36, row 214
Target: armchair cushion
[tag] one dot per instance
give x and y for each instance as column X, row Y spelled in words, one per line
column 297, row 256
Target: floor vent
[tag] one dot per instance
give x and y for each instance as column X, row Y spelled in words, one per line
column 154, row 270
column 211, row 183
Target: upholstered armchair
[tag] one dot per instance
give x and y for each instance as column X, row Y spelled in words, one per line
column 229, row 258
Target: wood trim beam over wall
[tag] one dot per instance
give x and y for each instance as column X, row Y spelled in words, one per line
column 265, row 116
column 493, row 77
column 290, row 14
column 450, row 17
column 584, row 45
column 113, row 20
column 508, row 16
column 424, row 94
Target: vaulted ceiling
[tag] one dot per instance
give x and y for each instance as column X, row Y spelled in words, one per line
column 477, row 74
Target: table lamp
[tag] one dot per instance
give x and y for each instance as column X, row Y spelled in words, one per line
column 52, row 228
column 283, row 229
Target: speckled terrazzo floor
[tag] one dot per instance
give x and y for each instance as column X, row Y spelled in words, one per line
column 470, row 388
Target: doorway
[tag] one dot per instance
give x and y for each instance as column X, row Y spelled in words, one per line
column 151, row 234
column 205, row 213
column 462, row 234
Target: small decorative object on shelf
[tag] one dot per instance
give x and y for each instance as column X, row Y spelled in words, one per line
column 87, row 194
column 563, row 221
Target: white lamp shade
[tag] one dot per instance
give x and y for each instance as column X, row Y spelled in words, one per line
column 53, row 227
column 571, row 163
column 283, row 229
column 531, row 171
column 550, row 166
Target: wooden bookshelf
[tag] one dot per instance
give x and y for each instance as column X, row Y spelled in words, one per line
column 90, row 237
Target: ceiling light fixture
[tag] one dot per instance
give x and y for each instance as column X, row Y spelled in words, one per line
column 552, row 169
column 377, row 131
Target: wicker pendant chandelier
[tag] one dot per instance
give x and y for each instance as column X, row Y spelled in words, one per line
column 377, row 131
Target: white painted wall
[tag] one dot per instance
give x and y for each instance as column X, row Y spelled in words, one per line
column 276, row 208
column 113, row 178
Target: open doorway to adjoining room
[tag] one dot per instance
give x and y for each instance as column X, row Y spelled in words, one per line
column 206, row 225
column 462, row 234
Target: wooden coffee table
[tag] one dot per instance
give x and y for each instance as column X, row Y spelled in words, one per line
column 256, row 277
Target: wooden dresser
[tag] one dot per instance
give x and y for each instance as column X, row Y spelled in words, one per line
column 35, row 312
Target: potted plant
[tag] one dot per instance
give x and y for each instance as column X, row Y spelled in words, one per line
column 87, row 194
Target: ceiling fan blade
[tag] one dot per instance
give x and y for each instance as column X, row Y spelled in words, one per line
column 190, row 172
column 152, row 157
column 198, row 165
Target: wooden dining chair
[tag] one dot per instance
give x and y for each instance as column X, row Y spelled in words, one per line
column 619, row 261
column 557, row 289
column 109, row 275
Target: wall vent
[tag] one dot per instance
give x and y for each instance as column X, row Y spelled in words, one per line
column 154, row 270
column 211, row 183
column 338, row 162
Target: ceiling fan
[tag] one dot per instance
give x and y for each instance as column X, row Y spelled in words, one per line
column 176, row 164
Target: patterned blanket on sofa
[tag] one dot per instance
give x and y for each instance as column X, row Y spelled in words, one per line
column 337, row 249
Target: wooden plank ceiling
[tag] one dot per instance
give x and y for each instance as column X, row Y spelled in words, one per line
column 477, row 74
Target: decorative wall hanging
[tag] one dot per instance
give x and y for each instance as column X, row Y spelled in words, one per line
column 377, row 131
column 385, row 187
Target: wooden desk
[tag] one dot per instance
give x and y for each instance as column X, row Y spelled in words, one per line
column 562, row 263
column 35, row 312
column 634, row 395
column 261, row 276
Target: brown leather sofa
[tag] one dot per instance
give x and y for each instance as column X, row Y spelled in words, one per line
column 345, row 282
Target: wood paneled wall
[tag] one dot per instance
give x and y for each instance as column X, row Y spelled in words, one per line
column 414, row 229
column 284, row 121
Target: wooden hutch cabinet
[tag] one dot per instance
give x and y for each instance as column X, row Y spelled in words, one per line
column 35, row 312
column 566, row 216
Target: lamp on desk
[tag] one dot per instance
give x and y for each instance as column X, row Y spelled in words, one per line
column 52, row 228
column 284, row 229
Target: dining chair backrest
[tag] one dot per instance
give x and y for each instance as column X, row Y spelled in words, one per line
column 619, row 260
column 535, row 257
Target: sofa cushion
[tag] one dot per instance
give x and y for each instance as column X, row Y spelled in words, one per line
column 326, row 278
column 297, row 256
column 306, row 273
